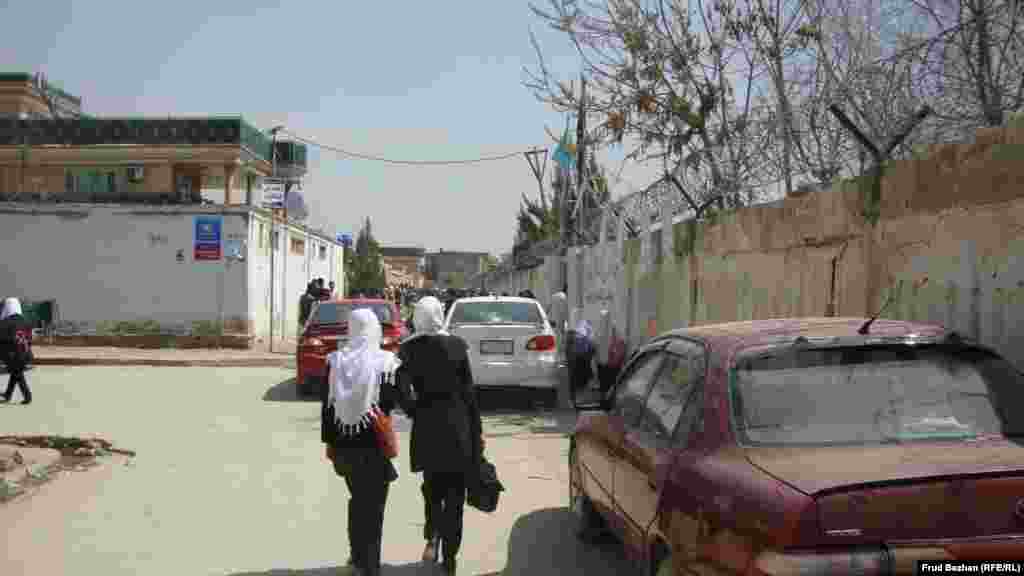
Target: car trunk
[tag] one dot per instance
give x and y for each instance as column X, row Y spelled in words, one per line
column 498, row 351
column 925, row 490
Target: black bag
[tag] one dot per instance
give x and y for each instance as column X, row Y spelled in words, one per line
column 483, row 492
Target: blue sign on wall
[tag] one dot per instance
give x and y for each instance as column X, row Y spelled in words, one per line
column 344, row 238
column 207, row 245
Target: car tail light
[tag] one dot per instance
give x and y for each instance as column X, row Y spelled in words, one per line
column 845, row 562
column 311, row 342
column 541, row 343
column 389, row 341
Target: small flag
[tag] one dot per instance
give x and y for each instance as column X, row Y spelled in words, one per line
column 564, row 155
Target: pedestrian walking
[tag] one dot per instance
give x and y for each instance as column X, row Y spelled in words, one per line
column 611, row 352
column 447, row 440
column 360, row 389
column 581, row 353
column 306, row 304
column 15, row 348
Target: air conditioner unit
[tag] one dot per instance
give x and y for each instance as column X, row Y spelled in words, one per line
column 136, row 173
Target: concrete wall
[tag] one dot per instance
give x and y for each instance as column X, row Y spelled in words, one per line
column 944, row 236
column 119, row 263
column 287, row 288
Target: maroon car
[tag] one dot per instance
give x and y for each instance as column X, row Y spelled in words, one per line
column 806, row 446
column 327, row 325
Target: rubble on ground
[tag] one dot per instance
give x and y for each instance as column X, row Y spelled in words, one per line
column 68, row 445
column 30, row 461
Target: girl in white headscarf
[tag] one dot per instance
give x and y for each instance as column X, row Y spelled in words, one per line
column 360, row 386
column 15, row 348
column 447, row 439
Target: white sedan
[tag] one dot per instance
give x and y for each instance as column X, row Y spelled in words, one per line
column 511, row 343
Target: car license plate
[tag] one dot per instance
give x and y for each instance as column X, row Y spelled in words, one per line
column 496, row 347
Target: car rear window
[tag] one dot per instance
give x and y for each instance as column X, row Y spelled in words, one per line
column 875, row 395
column 496, row 313
column 334, row 312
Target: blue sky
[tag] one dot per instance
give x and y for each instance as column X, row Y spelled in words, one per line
column 406, row 80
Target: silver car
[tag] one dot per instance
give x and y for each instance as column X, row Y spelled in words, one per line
column 511, row 343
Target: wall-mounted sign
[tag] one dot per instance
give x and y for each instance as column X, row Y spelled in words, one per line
column 344, row 238
column 207, row 246
column 234, row 249
column 273, row 193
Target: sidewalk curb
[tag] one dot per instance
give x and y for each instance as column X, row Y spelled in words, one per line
column 168, row 363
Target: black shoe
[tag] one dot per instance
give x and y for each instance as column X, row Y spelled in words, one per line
column 26, row 401
column 449, row 566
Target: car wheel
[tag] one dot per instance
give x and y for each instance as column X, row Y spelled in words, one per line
column 587, row 520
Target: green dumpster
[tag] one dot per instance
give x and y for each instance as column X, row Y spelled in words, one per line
column 39, row 314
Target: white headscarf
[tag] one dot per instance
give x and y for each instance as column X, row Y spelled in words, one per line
column 428, row 318
column 12, row 306
column 355, row 373
column 581, row 325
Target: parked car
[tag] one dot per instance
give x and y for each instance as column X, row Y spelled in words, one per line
column 805, row 447
column 511, row 343
column 327, row 324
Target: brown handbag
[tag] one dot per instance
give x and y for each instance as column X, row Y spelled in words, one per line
column 387, row 438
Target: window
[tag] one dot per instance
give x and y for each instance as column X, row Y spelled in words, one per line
column 323, row 252
column 262, row 235
column 632, row 391
column 497, row 312
column 675, row 397
column 335, row 313
column 298, row 246
column 872, row 395
column 277, row 240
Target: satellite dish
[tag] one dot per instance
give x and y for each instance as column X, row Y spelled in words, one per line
column 296, row 205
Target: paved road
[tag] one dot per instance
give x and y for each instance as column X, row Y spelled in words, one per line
column 230, row 480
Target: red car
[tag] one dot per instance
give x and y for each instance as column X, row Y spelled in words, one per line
column 327, row 324
column 805, row 446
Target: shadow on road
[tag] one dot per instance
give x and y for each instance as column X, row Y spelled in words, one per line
column 542, row 543
column 386, row 570
column 287, row 391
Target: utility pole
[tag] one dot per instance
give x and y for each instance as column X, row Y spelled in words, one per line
column 581, row 159
column 273, row 231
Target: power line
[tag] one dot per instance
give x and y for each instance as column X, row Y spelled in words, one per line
column 360, row 156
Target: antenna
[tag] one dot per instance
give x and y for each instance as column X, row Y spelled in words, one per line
column 892, row 296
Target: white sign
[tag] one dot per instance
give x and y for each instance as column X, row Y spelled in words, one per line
column 273, row 192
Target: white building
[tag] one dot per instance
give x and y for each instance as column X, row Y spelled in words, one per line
column 108, row 263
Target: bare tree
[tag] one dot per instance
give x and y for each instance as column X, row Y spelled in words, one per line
column 652, row 78
column 975, row 74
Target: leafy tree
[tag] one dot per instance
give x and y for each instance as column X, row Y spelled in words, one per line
column 364, row 266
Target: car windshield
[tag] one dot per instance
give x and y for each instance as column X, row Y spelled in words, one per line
column 497, row 312
column 870, row 395
column 335, row 312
